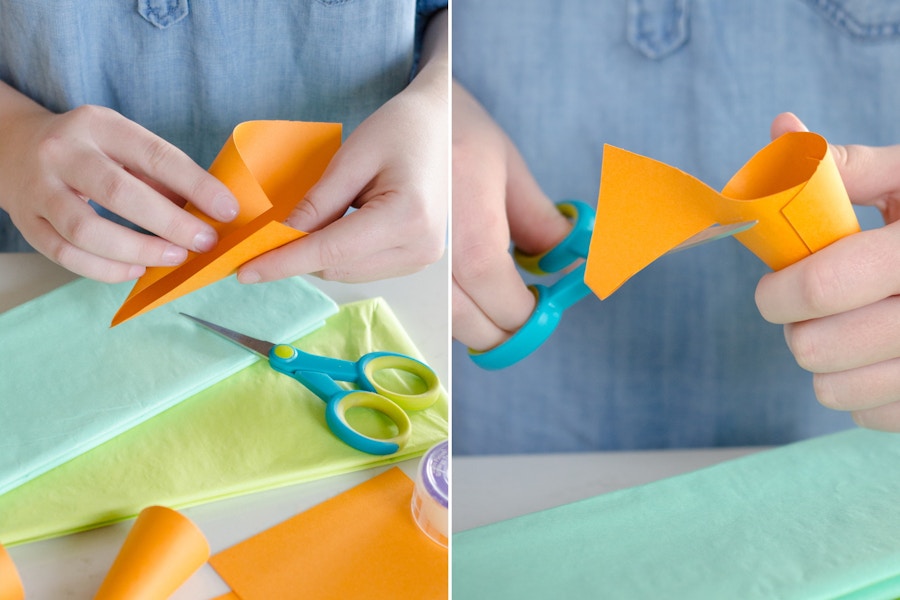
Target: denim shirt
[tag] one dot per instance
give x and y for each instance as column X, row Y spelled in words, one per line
column 679, row 356
column 191, row 71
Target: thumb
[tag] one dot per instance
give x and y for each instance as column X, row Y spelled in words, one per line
column 870, row 174
column 329, row 198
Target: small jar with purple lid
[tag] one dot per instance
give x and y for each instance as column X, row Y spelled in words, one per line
column 431, row 496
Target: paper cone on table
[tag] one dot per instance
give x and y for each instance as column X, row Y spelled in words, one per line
column 269, row 166
column 162, row 550
column 791, row 188
column 10, row 583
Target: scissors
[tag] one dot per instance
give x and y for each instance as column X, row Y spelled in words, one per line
column 321, row 373
column 552, row 301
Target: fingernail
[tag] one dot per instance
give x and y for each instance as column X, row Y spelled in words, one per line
column 136, row 271
column 174, row 255
column 226, row 208
column 248, row 276
column 205, row 241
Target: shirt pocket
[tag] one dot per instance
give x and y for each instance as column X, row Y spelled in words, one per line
column 658, row 28
column 162, row 13
column 871, row 20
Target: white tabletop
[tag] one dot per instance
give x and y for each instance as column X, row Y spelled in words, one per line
column 74, row 566
column 487, row 489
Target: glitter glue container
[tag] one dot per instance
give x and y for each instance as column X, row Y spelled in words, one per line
column 431, row 495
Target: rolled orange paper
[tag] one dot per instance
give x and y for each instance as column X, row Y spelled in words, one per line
column 10, row 583
column 268, row 166
column 791, row 187
column 162, row 550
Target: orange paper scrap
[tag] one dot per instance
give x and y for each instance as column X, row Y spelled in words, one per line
column 10, row 583
column 363, row 543
column 791, row 187
column 162, row 550
column 269, row 166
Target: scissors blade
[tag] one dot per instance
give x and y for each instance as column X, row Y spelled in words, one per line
column 711, row 234
column 260, row 347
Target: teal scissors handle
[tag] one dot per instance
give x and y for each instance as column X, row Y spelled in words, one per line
column 320, row 374
column 552, row 301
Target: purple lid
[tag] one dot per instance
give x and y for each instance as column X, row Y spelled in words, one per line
column 435, row 473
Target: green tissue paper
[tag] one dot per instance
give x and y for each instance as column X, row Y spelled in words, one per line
column 69, row 382
column 254, row 430
column 812, row 520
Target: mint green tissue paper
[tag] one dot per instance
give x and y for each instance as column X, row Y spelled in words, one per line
column 69, row 382
column 813, row 520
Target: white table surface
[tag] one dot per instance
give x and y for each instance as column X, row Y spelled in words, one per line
column 488, row 489
column 72, row 567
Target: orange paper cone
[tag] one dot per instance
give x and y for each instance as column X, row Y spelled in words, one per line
column 10, row 584
column 162, row 550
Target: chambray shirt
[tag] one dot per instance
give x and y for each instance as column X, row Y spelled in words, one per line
column 191, row 70
column 679, row 356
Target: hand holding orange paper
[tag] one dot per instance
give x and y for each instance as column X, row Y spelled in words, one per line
column 269, row 166
column 791, row 187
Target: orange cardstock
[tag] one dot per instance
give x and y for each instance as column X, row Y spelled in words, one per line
column 791, row 187
column 363, row 543
column 269, row 166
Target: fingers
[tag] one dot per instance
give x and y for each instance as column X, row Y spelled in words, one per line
column 848, row 340
column 855, row 358
column 482, row 263
column 113, row 174
column 868, row 173
column 152, row 157
column 346, row 176
column 114, row 188
column 76, row 238
column 864, row 388
column 786, row 123
column 840, row 305
column 44, row 238
column 96, row 153
column 78, row 224
column 534, row 221
column 470, row 325
column 884, row 418
column 870, row 176
column 850, row 273
column 350, row 249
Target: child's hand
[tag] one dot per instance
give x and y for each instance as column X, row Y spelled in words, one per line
column 393, row 169
column 51, row 164
column 840, row 307
column 495, row 199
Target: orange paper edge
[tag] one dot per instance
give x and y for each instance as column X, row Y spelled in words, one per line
column 10, row 582
column 362, row 543
column 645, row 208
column 269, row 166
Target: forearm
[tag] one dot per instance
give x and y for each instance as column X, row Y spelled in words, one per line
column 433, row 69
column 18, row 113
column 15, row 105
